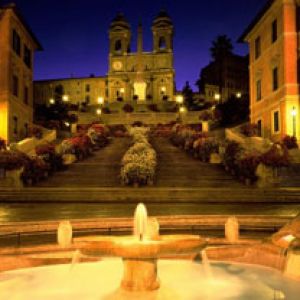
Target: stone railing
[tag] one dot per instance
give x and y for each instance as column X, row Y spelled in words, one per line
column 28, row 145
column 255, row 143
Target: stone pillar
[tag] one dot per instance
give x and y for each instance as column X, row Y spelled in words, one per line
column 140, row 274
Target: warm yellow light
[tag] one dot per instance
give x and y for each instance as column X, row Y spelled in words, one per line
column 182, row 109
column 163, row 89
column 179, row 99
column 65, row 98
column 52, row 101
column 294, row 112
column 239, row 95
column 67, row 124
column 289, row 238
column 122, row 90
column 98, row 111
column 100, row 100
column 217, row 96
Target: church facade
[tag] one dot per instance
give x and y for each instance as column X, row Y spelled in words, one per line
column 140, row 77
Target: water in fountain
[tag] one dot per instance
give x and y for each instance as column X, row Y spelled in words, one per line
column 75, row 259
column 64, row 234
column 206, row 266
column 140, row 222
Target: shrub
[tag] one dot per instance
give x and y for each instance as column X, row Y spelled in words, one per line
column 206, row 148
column 231, row 153
column 249, row 130
column 290, row 142
column 128, row 108
column 2, row 144
column 247, row 166
column 276, row 157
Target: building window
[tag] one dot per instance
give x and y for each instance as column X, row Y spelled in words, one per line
column 276, row 122
column 27, row 56
column 259, row 128
column 87, row 88
column 26, row 95
column 15, row 87
column 118, row 46
column 258, row 90
column 87, row 99
column 15, row 125
column 16, row 42
column 26, row 130
column 257, row 48
column 162, row 43
column 275, row 79
column 274, row 31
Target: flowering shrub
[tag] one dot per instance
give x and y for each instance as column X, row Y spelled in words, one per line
column 118, row 130
column 2, row 144
column 247, row 165
column 205, row 148
column 290, row 142
column 49, row 155
column 249, row 130
column 231, row 154
column 139, row 162
column 11, row 160
column 276, row 157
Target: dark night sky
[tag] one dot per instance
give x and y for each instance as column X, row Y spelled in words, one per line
column 75, row 40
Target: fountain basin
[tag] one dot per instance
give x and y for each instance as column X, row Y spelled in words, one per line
column 131, row 247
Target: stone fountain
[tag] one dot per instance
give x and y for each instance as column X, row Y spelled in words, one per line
column 141, row 251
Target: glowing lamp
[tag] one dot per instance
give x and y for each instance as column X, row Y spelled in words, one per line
column 52, row 101
column 163, row 89
column 122, row 90
column 65, row 98
column 67, row 124
column 239, row 95
column 179, row 99
column 182, row 109
column 217, row 96
column 98, row 111
column 294, row 112
column 100, row 100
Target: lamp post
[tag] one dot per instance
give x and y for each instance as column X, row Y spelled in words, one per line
column 65, row 98
column 179, row 100
column 294, row 114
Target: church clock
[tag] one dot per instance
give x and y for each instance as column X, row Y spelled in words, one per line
column 117, row 65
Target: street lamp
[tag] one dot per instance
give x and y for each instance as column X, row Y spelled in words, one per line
column 217, row 97
column 51, row 101
column 239, row 95
column 99, row 111
column 65, row 98
column 182, row 109
column 100, row 100
column 294, row 114
column 179, row 99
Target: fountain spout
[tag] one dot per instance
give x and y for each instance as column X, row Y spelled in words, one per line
column 140, row 222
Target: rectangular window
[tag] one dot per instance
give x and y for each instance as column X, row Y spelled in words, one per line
column 27, row 56
column 274, row 31
column 15, row 125
column 259, row 128
column 257, row 47
column 275, row 79
column 87, row 88
column 276, row 121
column 258, row 90
column 26, row 130
column 87, row 99
column 15, row 87
column 26, row 95
column 16, row 42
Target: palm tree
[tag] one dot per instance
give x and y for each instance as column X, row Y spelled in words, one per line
column 221, row 47
column 220, row 50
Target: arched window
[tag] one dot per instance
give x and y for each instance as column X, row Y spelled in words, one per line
column 118, row 46
column 162, row 43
